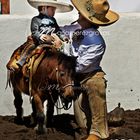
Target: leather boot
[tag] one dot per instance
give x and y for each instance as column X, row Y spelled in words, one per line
column 15, row 62
column 93, row 137
column 24, row 56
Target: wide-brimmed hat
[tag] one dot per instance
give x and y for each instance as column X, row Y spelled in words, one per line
column 96, row 11
column 60, row 6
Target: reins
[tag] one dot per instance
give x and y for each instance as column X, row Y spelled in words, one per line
column 59, row 101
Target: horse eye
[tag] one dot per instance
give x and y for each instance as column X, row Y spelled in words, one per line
column 62, row 73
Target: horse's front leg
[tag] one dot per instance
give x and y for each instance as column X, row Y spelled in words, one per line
column 49, row 113
column 50, row 110
column 40, row 114
column 33, row 115
column 18, row 105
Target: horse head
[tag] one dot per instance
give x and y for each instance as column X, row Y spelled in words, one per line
column 66, row 72
column 63, row 74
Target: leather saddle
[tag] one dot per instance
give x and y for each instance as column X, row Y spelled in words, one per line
column 33, row 59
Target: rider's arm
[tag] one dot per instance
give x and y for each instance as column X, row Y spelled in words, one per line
column 35, row 23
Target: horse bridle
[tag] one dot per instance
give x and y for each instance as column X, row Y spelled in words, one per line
column 67, row 85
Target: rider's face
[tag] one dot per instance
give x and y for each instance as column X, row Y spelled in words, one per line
column 49, row 10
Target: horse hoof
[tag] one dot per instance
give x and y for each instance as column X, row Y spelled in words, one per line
column 40, row 129
column 18, row 121
column 33, row 122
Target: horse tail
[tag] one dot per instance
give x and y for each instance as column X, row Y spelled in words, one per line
column 8, row 82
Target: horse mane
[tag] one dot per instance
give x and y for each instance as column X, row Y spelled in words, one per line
column 69, row 62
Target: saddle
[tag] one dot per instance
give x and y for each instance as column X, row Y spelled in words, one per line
column 32, row 62
column 33, row 59
column 18, row 52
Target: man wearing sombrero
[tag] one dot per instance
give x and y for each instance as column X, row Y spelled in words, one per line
column 43, row 25
column 88, row 46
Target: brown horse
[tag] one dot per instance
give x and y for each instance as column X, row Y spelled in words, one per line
column 53, row 76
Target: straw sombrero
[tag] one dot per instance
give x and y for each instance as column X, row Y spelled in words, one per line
column 96, row 11
column 60, row 6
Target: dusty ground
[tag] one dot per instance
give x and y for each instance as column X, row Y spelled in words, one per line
column 130, row 130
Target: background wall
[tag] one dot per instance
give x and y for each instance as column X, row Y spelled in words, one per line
column 121, row 61
column 125, row 5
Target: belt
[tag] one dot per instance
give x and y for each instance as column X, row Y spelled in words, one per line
column 83, row 76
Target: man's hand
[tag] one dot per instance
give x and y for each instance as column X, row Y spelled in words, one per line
column 46, row 39
column 57, row 41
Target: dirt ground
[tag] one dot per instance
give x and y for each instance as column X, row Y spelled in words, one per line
column 129, row 130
